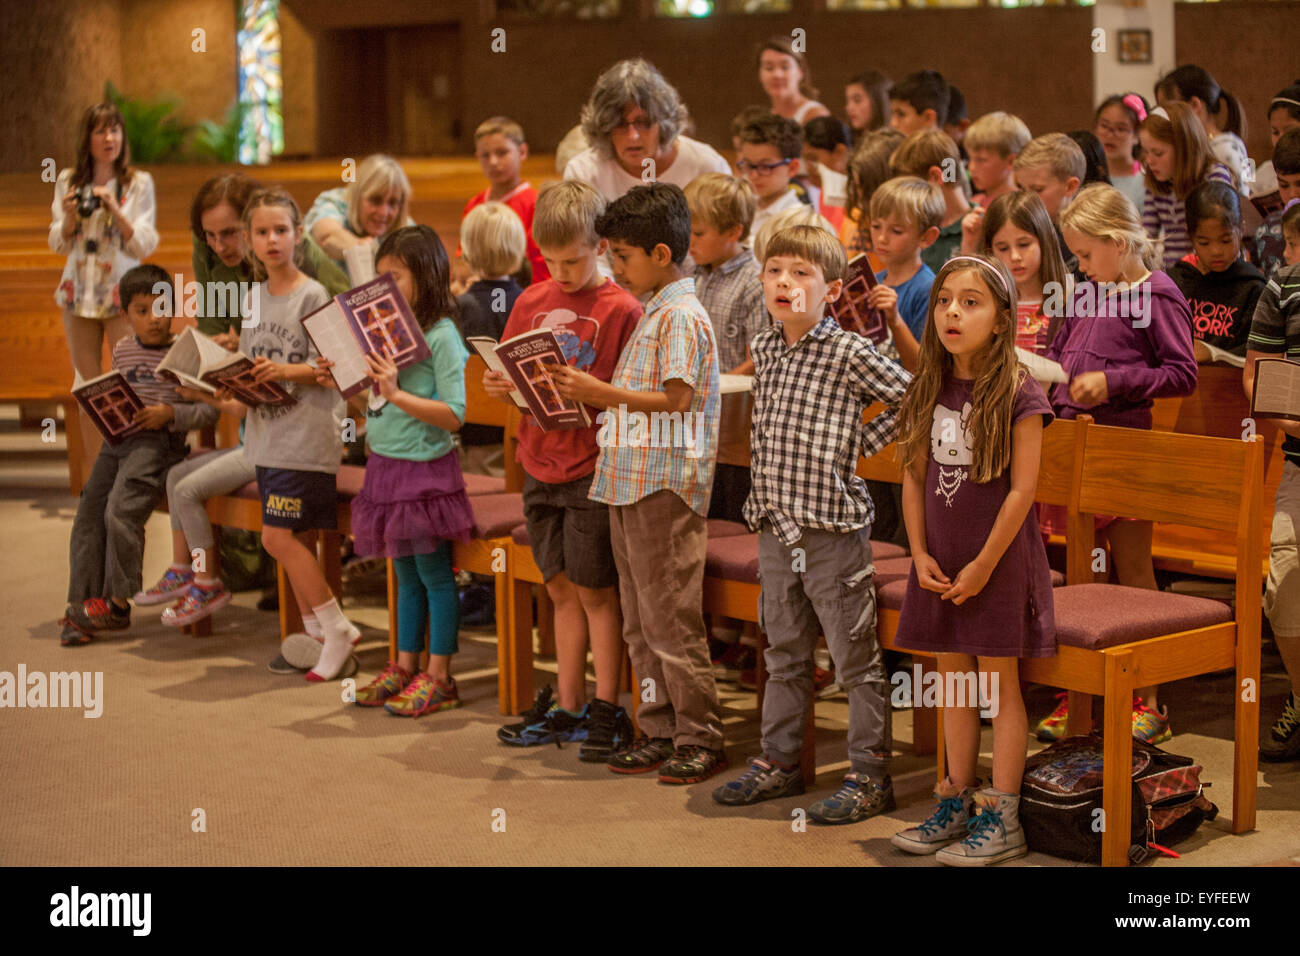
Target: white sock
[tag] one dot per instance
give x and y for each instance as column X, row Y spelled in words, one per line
column 339, row 632
column 312, row 626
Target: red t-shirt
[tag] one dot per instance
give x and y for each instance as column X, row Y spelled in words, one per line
column 523, row 200
column 592, row 326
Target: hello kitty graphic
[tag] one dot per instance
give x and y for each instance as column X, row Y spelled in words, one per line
column 950, row 446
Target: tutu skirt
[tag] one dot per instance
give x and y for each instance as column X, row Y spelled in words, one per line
column 408, row 507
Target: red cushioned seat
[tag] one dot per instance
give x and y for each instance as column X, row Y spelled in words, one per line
column 718, row 528
column 891, row 593
column 349, row 480
column 892, row 569
column 496, row 515
column 886, row 549
column 733, row 558
column 1096, row 616
column 484, row 485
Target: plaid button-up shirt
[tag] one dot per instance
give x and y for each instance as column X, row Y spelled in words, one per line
column 807, row 433
column 732, row 294
column 643, row 453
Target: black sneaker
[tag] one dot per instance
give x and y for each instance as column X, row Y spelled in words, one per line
column 1284, row 736
column 692, row 764
column 642, row 756
column 545, row 723
column 609, row 729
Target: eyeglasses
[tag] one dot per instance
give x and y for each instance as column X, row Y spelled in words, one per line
column 640, row 125
column 225, row 235
column 762, row 169
column 1115, row 130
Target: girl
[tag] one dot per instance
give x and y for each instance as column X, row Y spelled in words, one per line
column 1177, row 159
column 1116, row 124
column 784, row 74
column 361, row 213
column 1120, row 348
column 1019, row 233
column 980, row 591
column 1220, row 286
column 1194, row 87
column 296, row 448
column 866, row 102
column 413, row 503
column 102, row 219
column 1283, row 114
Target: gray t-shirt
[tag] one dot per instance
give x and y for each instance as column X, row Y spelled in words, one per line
column 308, row 435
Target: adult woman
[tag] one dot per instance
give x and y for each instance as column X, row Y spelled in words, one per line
column 783, row 71
column 362, row 212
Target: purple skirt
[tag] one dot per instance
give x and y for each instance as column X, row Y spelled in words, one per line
column 410, row 507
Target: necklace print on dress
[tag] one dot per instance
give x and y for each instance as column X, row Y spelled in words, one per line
column 950, row 448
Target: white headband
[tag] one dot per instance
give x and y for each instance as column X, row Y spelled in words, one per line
column 998, row 275
column 1159, row 111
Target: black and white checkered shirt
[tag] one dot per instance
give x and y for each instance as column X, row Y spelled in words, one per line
column 806, row 433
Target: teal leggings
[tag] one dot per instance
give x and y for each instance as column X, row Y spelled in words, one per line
column 426, row 595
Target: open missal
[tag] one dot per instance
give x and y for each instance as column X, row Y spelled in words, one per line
column 526, row 360
column 111, row 404
column 851, row 311
column 195, row 361
column 1277, row 389
column 1044, row 370
column 374, row 318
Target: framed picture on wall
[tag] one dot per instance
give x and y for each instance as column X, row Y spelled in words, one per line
column 1135, row 46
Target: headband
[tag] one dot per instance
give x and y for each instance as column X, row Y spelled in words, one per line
column 1159, row 111
column 998, row 275
column 1283, row 99
column 1134, row 102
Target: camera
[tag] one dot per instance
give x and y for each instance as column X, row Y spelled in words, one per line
column 87, row 201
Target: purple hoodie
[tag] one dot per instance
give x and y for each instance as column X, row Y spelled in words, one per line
column 1141, row 339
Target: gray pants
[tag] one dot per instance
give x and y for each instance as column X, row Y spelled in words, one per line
column 191, row 483
column 107, row 545
column 824, row 585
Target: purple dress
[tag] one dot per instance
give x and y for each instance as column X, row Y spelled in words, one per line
column 1012, row 616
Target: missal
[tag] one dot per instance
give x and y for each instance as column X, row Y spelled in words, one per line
column 526, row 360
column 196, row 361
column 111, row 404
column 1277, row 389
column 851, row 311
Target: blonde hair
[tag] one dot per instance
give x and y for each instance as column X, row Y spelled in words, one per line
column 1058, row 153
column 500, row 126
column 922, row 150
column 910, row 198
column 1101, row 211
column 493, row 240
column 566, row 212
column 812, row 244
column 378, row 175
column 800, row 216
column 1001, row 132
column 722, row 202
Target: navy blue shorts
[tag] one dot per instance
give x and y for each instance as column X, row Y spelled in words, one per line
column 299, row 500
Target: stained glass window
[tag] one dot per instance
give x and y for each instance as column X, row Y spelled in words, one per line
column 684, row 8
column 261, row 90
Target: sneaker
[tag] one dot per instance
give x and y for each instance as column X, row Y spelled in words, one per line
column 858, row 798
column 172, row 583
column 73, row 635
column 947, row 824
column 642, row 755
column 389, row 682
column 279, row 665
column 609, row 729
column 424, row 695
column 301, row 650
column 1052, row 727
column 1150, row 726
column 1284, row 742
column 546, row 722
column 731, row 660
column 100, row 614
column 994, row 833
column 692, row 763
column 763, row 780
column 199, row 602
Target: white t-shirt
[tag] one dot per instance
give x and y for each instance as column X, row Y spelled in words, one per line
column 785, row 202
column 611, row 180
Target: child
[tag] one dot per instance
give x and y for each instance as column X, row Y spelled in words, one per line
column 1196, row 88
column 826, row 142
column 1275, row 332
column 1283, row 115
column 570, row 535
column 980, row 591
column 1116, row 125
column 866, row 102
column 1053, row 166
column 994, row 141
column 494, row 243
column 1220, row 286
column 905, row 217
column 1019, row 234
column 1177, row 157
column 770, row 149
column 919, row 102
column 1291, row 230
column 660, row 495
column 957, row 122
column 808, row 497
column 1120, row 348
column 933, row 157
column 750, row 114
column 500, row 148
column 868, row 170
column 412, row 504
column 1094, row 157
column 107, row 543
column 296, row 449
column 1269, row 238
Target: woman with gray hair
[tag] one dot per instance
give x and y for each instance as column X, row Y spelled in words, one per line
column 633, row 121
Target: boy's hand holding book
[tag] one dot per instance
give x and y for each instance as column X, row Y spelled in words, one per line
column 155, row 417
column 498, row 386
column 885, row 299
column 578, row 386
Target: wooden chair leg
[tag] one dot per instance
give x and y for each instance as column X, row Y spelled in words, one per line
column 392, row 608
column 1117, row 760
column 545, row 623
column 515, row 652
column 290, row 616
column 760, row 671
column 1080, row 720
column 940, row 749
column 331, row 562
column 925, row 720
column 1245, row 763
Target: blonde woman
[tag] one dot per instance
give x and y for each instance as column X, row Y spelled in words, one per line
column 363, row 212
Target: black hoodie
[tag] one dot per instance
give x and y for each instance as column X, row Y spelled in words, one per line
column 1222, row 303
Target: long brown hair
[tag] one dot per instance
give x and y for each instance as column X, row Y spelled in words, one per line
column 234, row 189
column 101, row 114
column 1024, row 210
column 1192, row 157
column 999, row 378
column 782, row 44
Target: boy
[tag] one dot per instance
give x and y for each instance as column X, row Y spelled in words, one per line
column 657, row 490
column 770, row 151
column 905, row 216
column 106, row 549
column 957, row 121
column 500, row 148
column 1270, row 239
column 919, row 102
column 994, row 141
column 813, row 516
column 933, row 157
column 1053, row 166
column 593, row 319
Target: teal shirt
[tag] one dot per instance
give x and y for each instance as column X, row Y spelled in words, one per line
column 393, row 433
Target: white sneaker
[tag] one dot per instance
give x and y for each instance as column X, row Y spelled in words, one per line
column 947, row 824
column 995, row 832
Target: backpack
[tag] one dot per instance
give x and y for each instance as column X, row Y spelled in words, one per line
column 1060, row 800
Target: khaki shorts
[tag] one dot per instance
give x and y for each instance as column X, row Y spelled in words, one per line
column 1282, row 596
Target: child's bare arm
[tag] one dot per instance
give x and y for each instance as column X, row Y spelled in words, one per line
column 675, row 396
